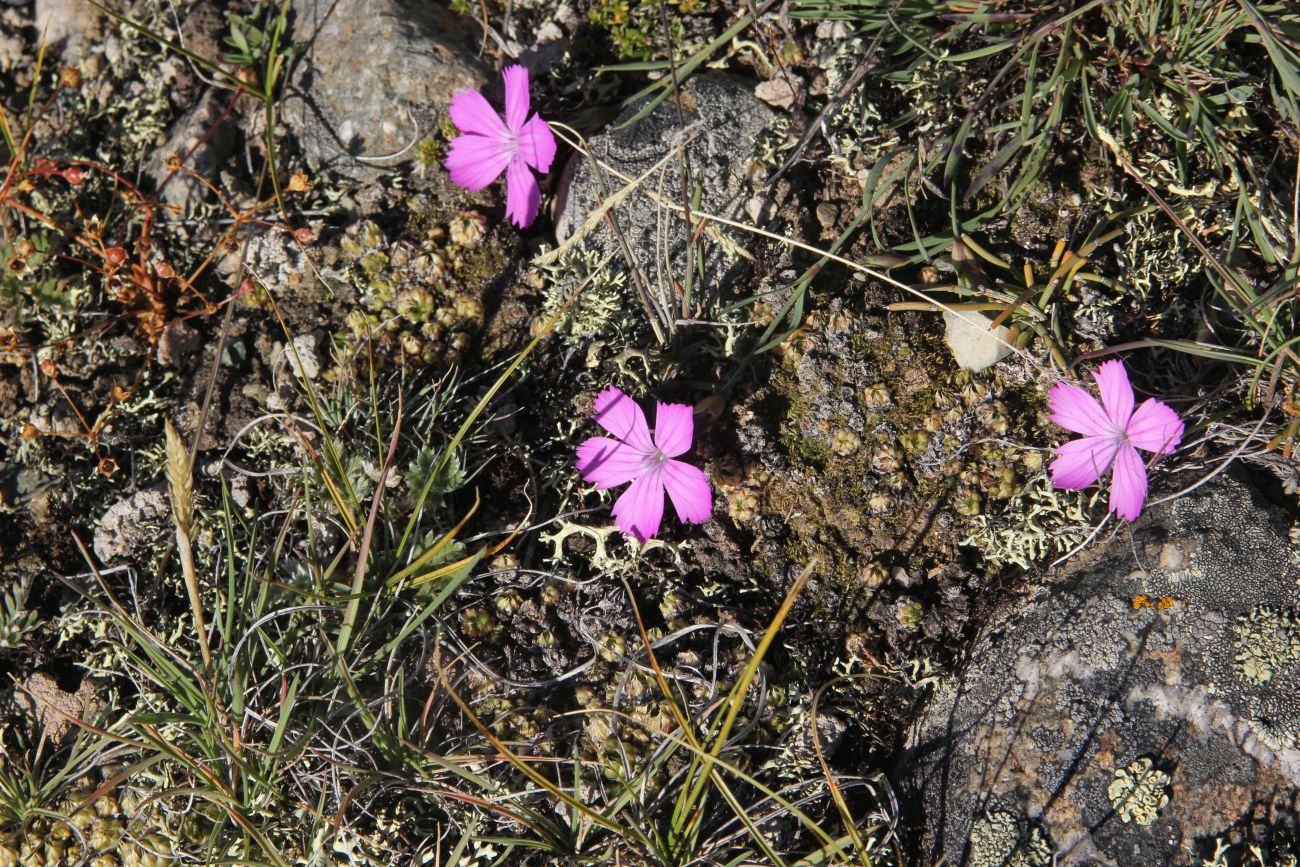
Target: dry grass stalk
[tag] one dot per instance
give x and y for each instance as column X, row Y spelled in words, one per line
column 180, row 487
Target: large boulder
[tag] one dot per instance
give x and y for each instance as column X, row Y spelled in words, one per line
column 375, row 78
column 1133, row 712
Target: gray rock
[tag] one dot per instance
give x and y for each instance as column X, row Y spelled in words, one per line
column 278, row 262
column 375, row 78
column 73, row 23
column 130, row 524
column 1167, row 665
column 13, row 50
column 203, row 138
column 723, row 121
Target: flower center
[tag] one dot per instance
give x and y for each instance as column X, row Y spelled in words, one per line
column 510, row 142
column 654, row 460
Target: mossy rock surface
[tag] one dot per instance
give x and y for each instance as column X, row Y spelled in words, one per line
column 1123, row 709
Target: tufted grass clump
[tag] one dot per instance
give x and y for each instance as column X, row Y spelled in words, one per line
column 298, row 722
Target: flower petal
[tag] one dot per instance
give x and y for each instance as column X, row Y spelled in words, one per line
column 1076, row 410
column 640, row 510
column 523, row 198
column 473, row 114
column 689, row 490
column 475, row 161
column 516, row 81
column 1155, row 427
column 674, row 428
column 620, row 415
column 607, row 462
column 1128, row 484
column 1081, row 462
column 537, row 144
column 1116, row 393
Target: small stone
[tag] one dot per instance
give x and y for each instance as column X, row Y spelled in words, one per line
column 974, row 346
column 234, row 352
column 49, row 707
column 131, row 523
column 777, row 92
column 72, row 22
column 12, row 48
column 828, row 214
column 176, row 342
column 304, row 358
column 204, row 137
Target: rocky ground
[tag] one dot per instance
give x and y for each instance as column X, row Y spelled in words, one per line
column 425, row 641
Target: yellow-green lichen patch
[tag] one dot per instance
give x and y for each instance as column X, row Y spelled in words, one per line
column 1036, row 523
column 1268, row 641
column 1001, row 838
column 593, row 302
column 1139, row 792
column 1276, row 732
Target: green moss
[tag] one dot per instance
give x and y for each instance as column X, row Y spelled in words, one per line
column 635, row 29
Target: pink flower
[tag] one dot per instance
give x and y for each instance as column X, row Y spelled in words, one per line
column 1112, row 432
column 631, row 455
column 490, row 145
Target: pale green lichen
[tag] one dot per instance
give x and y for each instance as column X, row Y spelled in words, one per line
column 1268, row 641
column 775, row 143
column 1139, row 792
column 607, row 559
column 602, row 307
column 1001, row 838
column 854, row 129
column 1276, row 734
column 1038, row 522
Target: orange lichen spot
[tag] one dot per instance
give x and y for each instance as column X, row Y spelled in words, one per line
column 1164, row 603
column 1141, row 601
